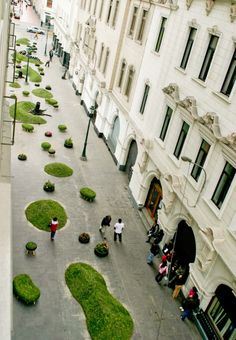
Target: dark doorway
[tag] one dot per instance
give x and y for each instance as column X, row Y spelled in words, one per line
column 185, row 245
column 154, row 197
column 131, row 159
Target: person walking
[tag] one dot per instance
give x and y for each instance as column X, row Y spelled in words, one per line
column 53, row 226
column 118, row 229
column 104, row 224
column 47, row 63
column 36, row 35
column 154, row 250
column 51, row 54
column 191, row 303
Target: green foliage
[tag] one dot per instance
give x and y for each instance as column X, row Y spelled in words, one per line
column 62, row 127
column 51, row 151
column 41, row 69
column 45, row 146
column 51, row 101
column 31, row 245
column 106, row 318
column 42, row 93
column 68, row 143
column 23, row 41
column 58, row 170
column 102, row 248
column 23, row 113
column 27, row 127
column 15, row 85
column 41, row 212
column 21, row 57
column 34, row 76
column 25, row 93
column 25, row 290
column 22, row 157
column 87, row 194
column 49, row 186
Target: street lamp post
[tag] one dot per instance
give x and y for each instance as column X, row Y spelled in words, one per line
column 27, row 66
column 83, row 156
column 189, row 160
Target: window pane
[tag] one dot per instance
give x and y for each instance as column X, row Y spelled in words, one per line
column 160, row 36
column 208, row 57
column 181, row 140
column 230, row 77
column 133, row 22
column 188, row 48
column 142, row 26
column 200, row 160
column 166, row 123
column 144, row 100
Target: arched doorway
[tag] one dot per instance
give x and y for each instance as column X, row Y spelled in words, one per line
column 154, row 197
column 185, row 245
column 131, row 159
column 221, row 311
column 113, row 138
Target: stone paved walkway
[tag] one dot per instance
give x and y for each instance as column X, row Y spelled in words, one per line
column 57, row 316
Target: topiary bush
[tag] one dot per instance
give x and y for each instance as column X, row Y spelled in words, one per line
column 62, row 127
column 51, row 152
column 25, row 93
column 56, row 106
column 30, row 248
column 84, row 238
column 27, row 127
column 22, row 157
column 68, row 143
column 51, row 101
column 49, row 186
column 48, row 134
column 87, row 194
column 45, row 146
column 48, row 87
column 15, row 85
column 101, row 249
column 25, row 290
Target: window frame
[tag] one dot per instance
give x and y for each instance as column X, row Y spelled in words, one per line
column 200, row 161
column 133, row 21
column 181, row 140
column 109, row 11
column 232, row 64
column 142, row 25
column 145, row 97
column 208, row 58
column 101, row 55
column 160, row 34
column 166, row 123
column 115, row 12
column 121, row 74
column 129, row 81
column 188, row 48
column 107, row 53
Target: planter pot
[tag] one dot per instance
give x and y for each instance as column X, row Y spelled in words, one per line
column 48, row 189
column 30, row 248
column 100, row 254
column 68, row 146
column 22, row 157
column 83, row 239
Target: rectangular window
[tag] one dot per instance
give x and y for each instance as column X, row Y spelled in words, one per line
column 129, row 82
column 142, row 25
column 89, row 7
column 230, row 77
column 208, row 57
column 166, row 123
column 223, row 185
column 160, row 35
column 101, row 9
column 106, row 61
column 181, row 139
column 115, row 13
column 144, row 100
column 109, row 11
column 133, row 22
column 122, row 72
column 200, row 160
column 101, row 55
column 95, row 7
column 188, row 48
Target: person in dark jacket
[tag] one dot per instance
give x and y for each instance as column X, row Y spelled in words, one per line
column 154, row 250
column 152, row 232
column 191, row 303
column 104, row 224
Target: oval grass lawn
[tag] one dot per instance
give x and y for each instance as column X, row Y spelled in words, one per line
column 23, row 41
column 21, row 57
column 106, row 318
column 25, row 290
column 34, row 76
column 42, row 93
column 58, row 170
column 23, row 115
column 40, row 214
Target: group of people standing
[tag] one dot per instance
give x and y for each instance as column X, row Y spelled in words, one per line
column 118, row 227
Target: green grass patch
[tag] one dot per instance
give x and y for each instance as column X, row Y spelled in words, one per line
column 28, row 127
column 40, row 214
column 21, row 57
column 15, row 85
column 23, row 41
column 34, row 76
column 23, row 115
column 25, row 290
column 106, row 318
column 42, row 93
column 51, row 101
column 58, row 170
column 26, row 93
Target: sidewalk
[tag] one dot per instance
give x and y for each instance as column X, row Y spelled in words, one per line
column 57, row 316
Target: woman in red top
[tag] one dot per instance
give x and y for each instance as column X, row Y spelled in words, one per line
column 53, row 227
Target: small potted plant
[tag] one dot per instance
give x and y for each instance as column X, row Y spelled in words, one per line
column 68, row 143
column 101, row 249
column 48, row 134
column 84, row 238
column 25, row 93
column 62, row 127
column 88, row 194
column 28, row 127
column 36, row 84
column 48, row 87
column 45, row 146
column 30, row 248
column 51, row 152
column 49, row 186
column 22, row 157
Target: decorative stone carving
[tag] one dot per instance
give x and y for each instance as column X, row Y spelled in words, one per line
column 193, row 23
column 168, row 201
column 143, row 162
column 214, row 30
column 188, row 3
column 208, row 120
column 230, row 140
column 209, row 6
column 172, row 90
column 233, row 10
column 189, row 104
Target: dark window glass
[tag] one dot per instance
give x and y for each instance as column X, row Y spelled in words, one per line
column 133, row 21
column 200, row 160
column 181, row 140
column 142, row 26
column 208, row 57
column 166, row 123
column 144, row 100
column 230, row 77
column 188, row 48
column 161, row 33
column 223, row 185
column 109, row 11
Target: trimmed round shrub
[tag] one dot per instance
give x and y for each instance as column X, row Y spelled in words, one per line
column 42, row 73
column 37, row 85
column 41, row 69
column 25, row 93
column 45, row 146
column 18, row 66
column 51, row 101
column 51, row 151
column 56, row 106
column 68, row 143
column 84, row 238
column 15, row 85
column 48, row 87
column 48, row 134
column 62, row 127
column 49, row 186
column 87, row 194
column 31, row 246
column 42, row 93
column 27, row 127
column 58, row 170
column 101, row 249
column 22, row 157
column 25, row 290
column 37, row 64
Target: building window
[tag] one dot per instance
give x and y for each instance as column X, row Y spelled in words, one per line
column 115, row 13
column 101, row 55
column 166, row 123
column 106, row 61
column 200, row 160
column 223, row 185
column 144, row 100
column 133, row 22
column 129, row 81
column 230, row 77
column 188, row 48
column 122, row 72
column 161, row 34
column 208, row 57
column 101, row 9
column 95, row 7
column 109, row 11
column 142, row 25
column 181, row 139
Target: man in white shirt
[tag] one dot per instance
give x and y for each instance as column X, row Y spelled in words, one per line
column 118, row 228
